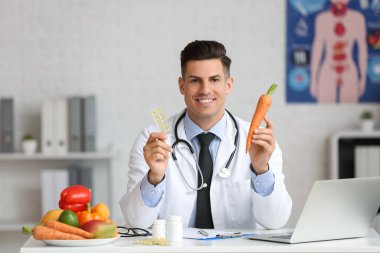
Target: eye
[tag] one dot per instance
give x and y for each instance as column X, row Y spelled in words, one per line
column 214, row 80
column 194, row 80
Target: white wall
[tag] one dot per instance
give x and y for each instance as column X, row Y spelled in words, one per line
column 127, row 54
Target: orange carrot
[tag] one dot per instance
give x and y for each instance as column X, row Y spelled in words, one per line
column 41, row 232
column 262, row 108
column 60, row 226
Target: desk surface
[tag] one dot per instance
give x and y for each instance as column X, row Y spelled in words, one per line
column 367, row 244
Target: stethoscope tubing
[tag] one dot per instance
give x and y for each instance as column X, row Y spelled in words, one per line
column 178, row 141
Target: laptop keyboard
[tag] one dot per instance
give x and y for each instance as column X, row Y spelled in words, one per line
column 287, row 236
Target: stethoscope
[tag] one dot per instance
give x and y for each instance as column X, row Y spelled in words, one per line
column 224, row 172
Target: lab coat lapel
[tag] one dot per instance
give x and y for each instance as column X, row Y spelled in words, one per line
column 226, row 147
column 185, row 158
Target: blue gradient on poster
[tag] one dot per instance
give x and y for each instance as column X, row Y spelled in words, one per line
column 306, row 7
column 374, row 69
column 298, row 79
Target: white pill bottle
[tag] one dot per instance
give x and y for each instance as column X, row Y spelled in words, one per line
column 174, row 229
column 159, row 229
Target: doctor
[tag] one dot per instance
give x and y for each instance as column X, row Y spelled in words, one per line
column 249, row 193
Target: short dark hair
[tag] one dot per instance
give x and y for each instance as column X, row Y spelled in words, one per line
column 205, row 50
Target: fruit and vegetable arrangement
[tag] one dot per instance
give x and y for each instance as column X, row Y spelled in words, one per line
column 75, row 219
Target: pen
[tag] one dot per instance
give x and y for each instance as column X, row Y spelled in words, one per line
column 202, row 232
column 229, row 235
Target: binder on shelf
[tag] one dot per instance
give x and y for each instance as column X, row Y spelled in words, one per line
column 367, row 161
column 48, row 130
column 7, row 137
column 81, row 175
column 89, row 124
column 53, row 181
column 86, row 177
column 68, row 125
column 74, row 124
column 74, row 177
column 374, row 159
column 61, row 125
column 361, row 161
column 54, row 127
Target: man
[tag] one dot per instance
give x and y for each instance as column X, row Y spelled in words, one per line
column 250, row 192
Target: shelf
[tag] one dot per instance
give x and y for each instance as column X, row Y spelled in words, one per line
column 15, row 225
column 39, row 160
column 68, row 156
column 356, row 134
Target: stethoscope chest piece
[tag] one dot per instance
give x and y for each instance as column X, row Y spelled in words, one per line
column 224, row 172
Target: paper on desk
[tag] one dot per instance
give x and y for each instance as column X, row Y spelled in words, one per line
column 192, row 233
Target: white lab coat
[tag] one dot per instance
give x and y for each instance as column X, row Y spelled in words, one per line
column 234, row 204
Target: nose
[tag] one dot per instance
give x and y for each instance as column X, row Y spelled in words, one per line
column 205, row 88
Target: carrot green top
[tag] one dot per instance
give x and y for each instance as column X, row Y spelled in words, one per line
column 271, row 89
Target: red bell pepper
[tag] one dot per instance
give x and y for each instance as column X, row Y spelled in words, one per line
column 75, row 198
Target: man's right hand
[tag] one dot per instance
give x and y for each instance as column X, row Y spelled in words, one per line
column 157, row 153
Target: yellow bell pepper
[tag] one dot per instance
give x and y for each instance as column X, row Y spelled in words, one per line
column 51, row 215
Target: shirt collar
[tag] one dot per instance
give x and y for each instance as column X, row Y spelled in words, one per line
column 192, row 129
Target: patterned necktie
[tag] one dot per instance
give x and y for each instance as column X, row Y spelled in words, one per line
column 203, row 216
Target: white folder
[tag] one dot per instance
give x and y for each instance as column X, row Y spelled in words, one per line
column 61, row 126
column 53, row 181
column 374, row 161
column 48, row 127
column 367, row 161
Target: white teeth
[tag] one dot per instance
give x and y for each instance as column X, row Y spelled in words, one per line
column 205, row 100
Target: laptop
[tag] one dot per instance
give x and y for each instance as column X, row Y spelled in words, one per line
column 334, row 209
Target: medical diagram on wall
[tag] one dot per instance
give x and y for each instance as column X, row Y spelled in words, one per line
column 333, row 51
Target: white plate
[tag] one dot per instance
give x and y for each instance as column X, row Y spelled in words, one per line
column 80, row 243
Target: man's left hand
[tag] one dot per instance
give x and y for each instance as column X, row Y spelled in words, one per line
column 263, row 144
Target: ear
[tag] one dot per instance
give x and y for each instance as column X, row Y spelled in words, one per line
column 229, row 84
column 181, row 84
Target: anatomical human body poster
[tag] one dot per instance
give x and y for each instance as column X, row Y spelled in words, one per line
column 333, row 51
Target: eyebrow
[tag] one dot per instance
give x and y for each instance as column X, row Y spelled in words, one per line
column 192, row 76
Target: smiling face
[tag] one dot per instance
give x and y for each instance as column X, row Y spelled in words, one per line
column 205, row 86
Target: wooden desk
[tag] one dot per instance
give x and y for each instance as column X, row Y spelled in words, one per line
column 367, row 244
